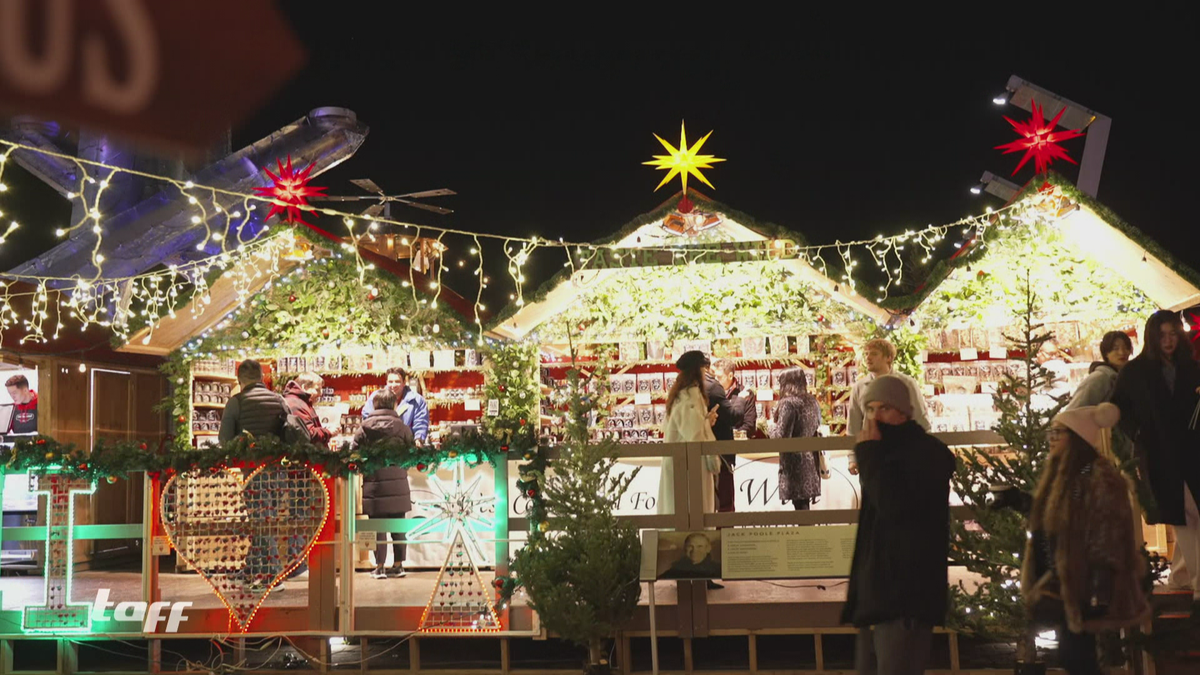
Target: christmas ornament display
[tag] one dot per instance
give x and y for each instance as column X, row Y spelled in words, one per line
column 1039, row 140
column 457, row 512
column 460, row 602
column 290, row 192
column 244, row 535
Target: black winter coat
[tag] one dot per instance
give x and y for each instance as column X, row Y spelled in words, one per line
column 1157, row 420
column 255, row 409
column 744, row 414
column 385, row 492
column 903, row 541
column 723, row 429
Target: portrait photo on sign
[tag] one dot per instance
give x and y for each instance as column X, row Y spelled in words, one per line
column 689, row 555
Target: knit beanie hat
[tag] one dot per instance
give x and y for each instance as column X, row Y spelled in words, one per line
column 890, row 391
column 692, row 360
column 1092, row 423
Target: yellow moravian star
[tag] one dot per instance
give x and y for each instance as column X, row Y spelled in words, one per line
column 683, row 160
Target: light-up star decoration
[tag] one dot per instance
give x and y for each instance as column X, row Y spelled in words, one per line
column 683, row 161
column 290, row 192
column 456, row 511
column 1039, row 140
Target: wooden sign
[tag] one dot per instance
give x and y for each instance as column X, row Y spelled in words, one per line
column 176, row 74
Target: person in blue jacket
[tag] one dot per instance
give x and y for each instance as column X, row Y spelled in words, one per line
column 411, row 406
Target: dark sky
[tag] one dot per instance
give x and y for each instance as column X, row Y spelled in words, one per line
column 544, row 132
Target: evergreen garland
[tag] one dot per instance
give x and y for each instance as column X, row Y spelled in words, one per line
column 111, row 461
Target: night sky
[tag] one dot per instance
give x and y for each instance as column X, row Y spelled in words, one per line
column 546, row 135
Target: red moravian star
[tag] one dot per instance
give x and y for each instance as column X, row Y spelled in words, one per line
column 290, row 192
column 1039, row 140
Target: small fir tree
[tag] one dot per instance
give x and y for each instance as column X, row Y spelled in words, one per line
column 580, row 566
column 992, row 544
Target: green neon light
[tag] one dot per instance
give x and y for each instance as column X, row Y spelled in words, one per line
column 70, row 617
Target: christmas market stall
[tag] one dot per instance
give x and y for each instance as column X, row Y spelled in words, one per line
column 695, row 274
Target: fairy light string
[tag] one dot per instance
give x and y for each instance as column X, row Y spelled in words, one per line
column 246, row 256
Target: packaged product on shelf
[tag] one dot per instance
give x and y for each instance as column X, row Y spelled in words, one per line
column 645, row 415
column 628, row 384
column 655, row 351
column 839, row 377
column 852, row 375
column 810, row 376
column 656, row 382
column 803, row 347
column 763, row 379
column 754, row 347
column 643, row 382
column 660, row 414
column 779, row 345
column 669, row 380
column 631, row 351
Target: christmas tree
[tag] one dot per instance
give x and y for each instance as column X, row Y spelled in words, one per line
column 991, row 545
column 580, row 566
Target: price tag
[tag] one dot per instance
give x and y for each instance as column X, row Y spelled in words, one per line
column 364, row 541
column 493, row 407
column 641, row 399
column 765, row 395
column 160, row 546
column 472, row 404
column 968, row 354
column 998, row 353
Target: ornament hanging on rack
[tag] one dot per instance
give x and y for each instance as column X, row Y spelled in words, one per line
column 1039, row 140
column 460, row 602
column 290, row 192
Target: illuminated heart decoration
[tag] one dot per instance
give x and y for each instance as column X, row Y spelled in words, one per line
column 244, row 535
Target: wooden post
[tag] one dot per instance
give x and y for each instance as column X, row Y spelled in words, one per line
column 414, row 655
column 349, row 525
column 687, row 655
column 752, row 643
column 505, row 665
column 819, row 651
column 954, row 664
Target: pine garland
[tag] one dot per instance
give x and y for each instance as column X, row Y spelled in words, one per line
column 118, row 460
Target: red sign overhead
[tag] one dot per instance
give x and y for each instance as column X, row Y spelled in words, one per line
column 169, row 73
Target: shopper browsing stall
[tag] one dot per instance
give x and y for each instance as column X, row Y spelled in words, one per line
column 898, row 578
column 742, row 418
column 255, row 409
column 1158, row 394
column 299, row 395
column 879, row 355
column 798, row 415
column 1098, row 386
column 410, row 405
column 1083, row 566
column 386, row 493
column 689, row 420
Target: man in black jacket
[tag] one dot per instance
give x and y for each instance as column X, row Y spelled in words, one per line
column 723, row 431
column 255, row 408
column 898, row 582
column 742, row 417
column 386, row 493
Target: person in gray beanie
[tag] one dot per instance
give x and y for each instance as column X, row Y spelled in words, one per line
column 898, row 583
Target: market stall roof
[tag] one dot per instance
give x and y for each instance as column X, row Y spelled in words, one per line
column 1094, row 231
column 660, row 227
column 198, row 316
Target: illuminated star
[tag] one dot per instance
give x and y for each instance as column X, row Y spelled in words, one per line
column 683, row 160
column 456, row 511
column 1039, row 140
column 290, row 192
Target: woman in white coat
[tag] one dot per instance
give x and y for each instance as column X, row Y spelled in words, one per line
column 689, row 420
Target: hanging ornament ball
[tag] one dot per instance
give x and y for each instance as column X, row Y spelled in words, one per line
column 522, row 419
column 543, row 526
column 40, row 441
column 352, row 466
column 528, row 455
column 49, row 455
column 82, row 467
column 452, row 454
column 285, row 461
column 291, row 298
column 420, row 467
column 531, row 492
column 141, row 446
column 181, row 419
column 498, row 582
column 111, row 479
column 325, row 332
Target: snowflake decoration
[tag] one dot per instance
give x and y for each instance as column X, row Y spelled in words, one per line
column 455, row 512
column 290, row 192
column 1039, row 140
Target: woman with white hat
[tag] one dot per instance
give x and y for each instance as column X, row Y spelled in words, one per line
column 1083, row 566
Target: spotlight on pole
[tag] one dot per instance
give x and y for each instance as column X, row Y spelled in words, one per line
column 1000, row 99
column 977, row 189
